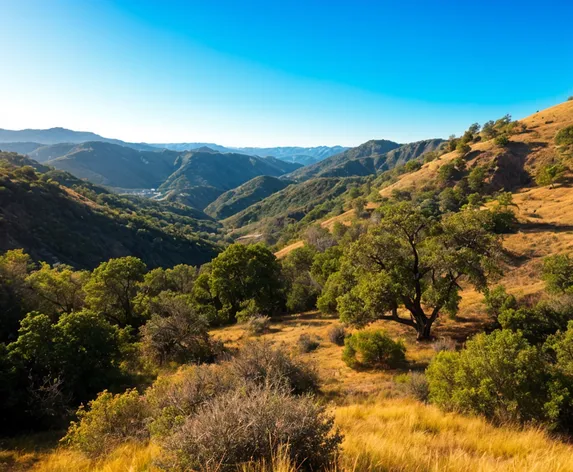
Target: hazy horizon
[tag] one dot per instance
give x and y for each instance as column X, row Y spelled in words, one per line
column 263, row 75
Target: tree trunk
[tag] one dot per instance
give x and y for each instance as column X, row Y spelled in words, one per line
column 424, row 329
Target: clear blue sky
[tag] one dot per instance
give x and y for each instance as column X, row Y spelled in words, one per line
column 266, row 73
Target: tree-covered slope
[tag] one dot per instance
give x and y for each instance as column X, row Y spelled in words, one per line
column 82, row 225
column 117, row 166
column 366, row 159
column 221, row 170
column 251, row 192
column 293, row 202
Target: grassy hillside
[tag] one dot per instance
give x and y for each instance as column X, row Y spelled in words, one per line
column 76, row 225
column 251, row 192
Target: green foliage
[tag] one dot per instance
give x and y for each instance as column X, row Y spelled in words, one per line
column 501, row 140
column 463, row 148
column 499, row 376
column 497, row 300
column 476, row 178
column 179, row 334
column 82, row 350
column 109, row 421
column 373, row 349
column 58, row 289
column 558, row 273
column 562, row 345
column 242, row 273
column 536, row 323
column 112, row 288
column 550, row 174
column 412, row 261
column 302, row 290
column 564, row 137
column 245, row 195
column 15, row 266
column 59, row 218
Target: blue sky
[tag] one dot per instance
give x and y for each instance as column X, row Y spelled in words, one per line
column 269, row 73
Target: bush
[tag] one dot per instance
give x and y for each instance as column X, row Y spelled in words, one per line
column 253, row 425
column 180, row 338
column 463, row 148
column 337, row 335
column 173, row 397
column 497, row 301
column 263, row 364
column 373, row 349
column 109, row 421
column 500, row 376
column 558, row 273
column 257, row 325
column 564, row 137
column 306, row 343
column 501, row 140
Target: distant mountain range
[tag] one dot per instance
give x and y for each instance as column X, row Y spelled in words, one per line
column 28, row 140
column 223, row 181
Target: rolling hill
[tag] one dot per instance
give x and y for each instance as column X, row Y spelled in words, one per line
column 247, row 194
column 116, row 166
column 367, row 159
column 221, row 170
column 57, row 218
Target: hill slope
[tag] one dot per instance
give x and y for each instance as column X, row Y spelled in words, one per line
column 221, row 170
column 366, row 159
column 289, row 205
column 117, row 166
column 57, row 218
column 247, row 194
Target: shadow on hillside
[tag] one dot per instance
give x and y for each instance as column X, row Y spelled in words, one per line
column 544, row 227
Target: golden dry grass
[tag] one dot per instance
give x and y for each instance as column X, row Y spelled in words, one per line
column 398, row 435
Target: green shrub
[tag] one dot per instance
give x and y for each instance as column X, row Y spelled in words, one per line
column 180, row 337
column 501, row 140
column 109, row 421
column 498, row 300
column 252, row 425
column 536, row 323
column 550, row 174
column 558, row 273
column 564, row 137
column 337, row 335
column 373, row 348
column 463, row 148
column 500, row 376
